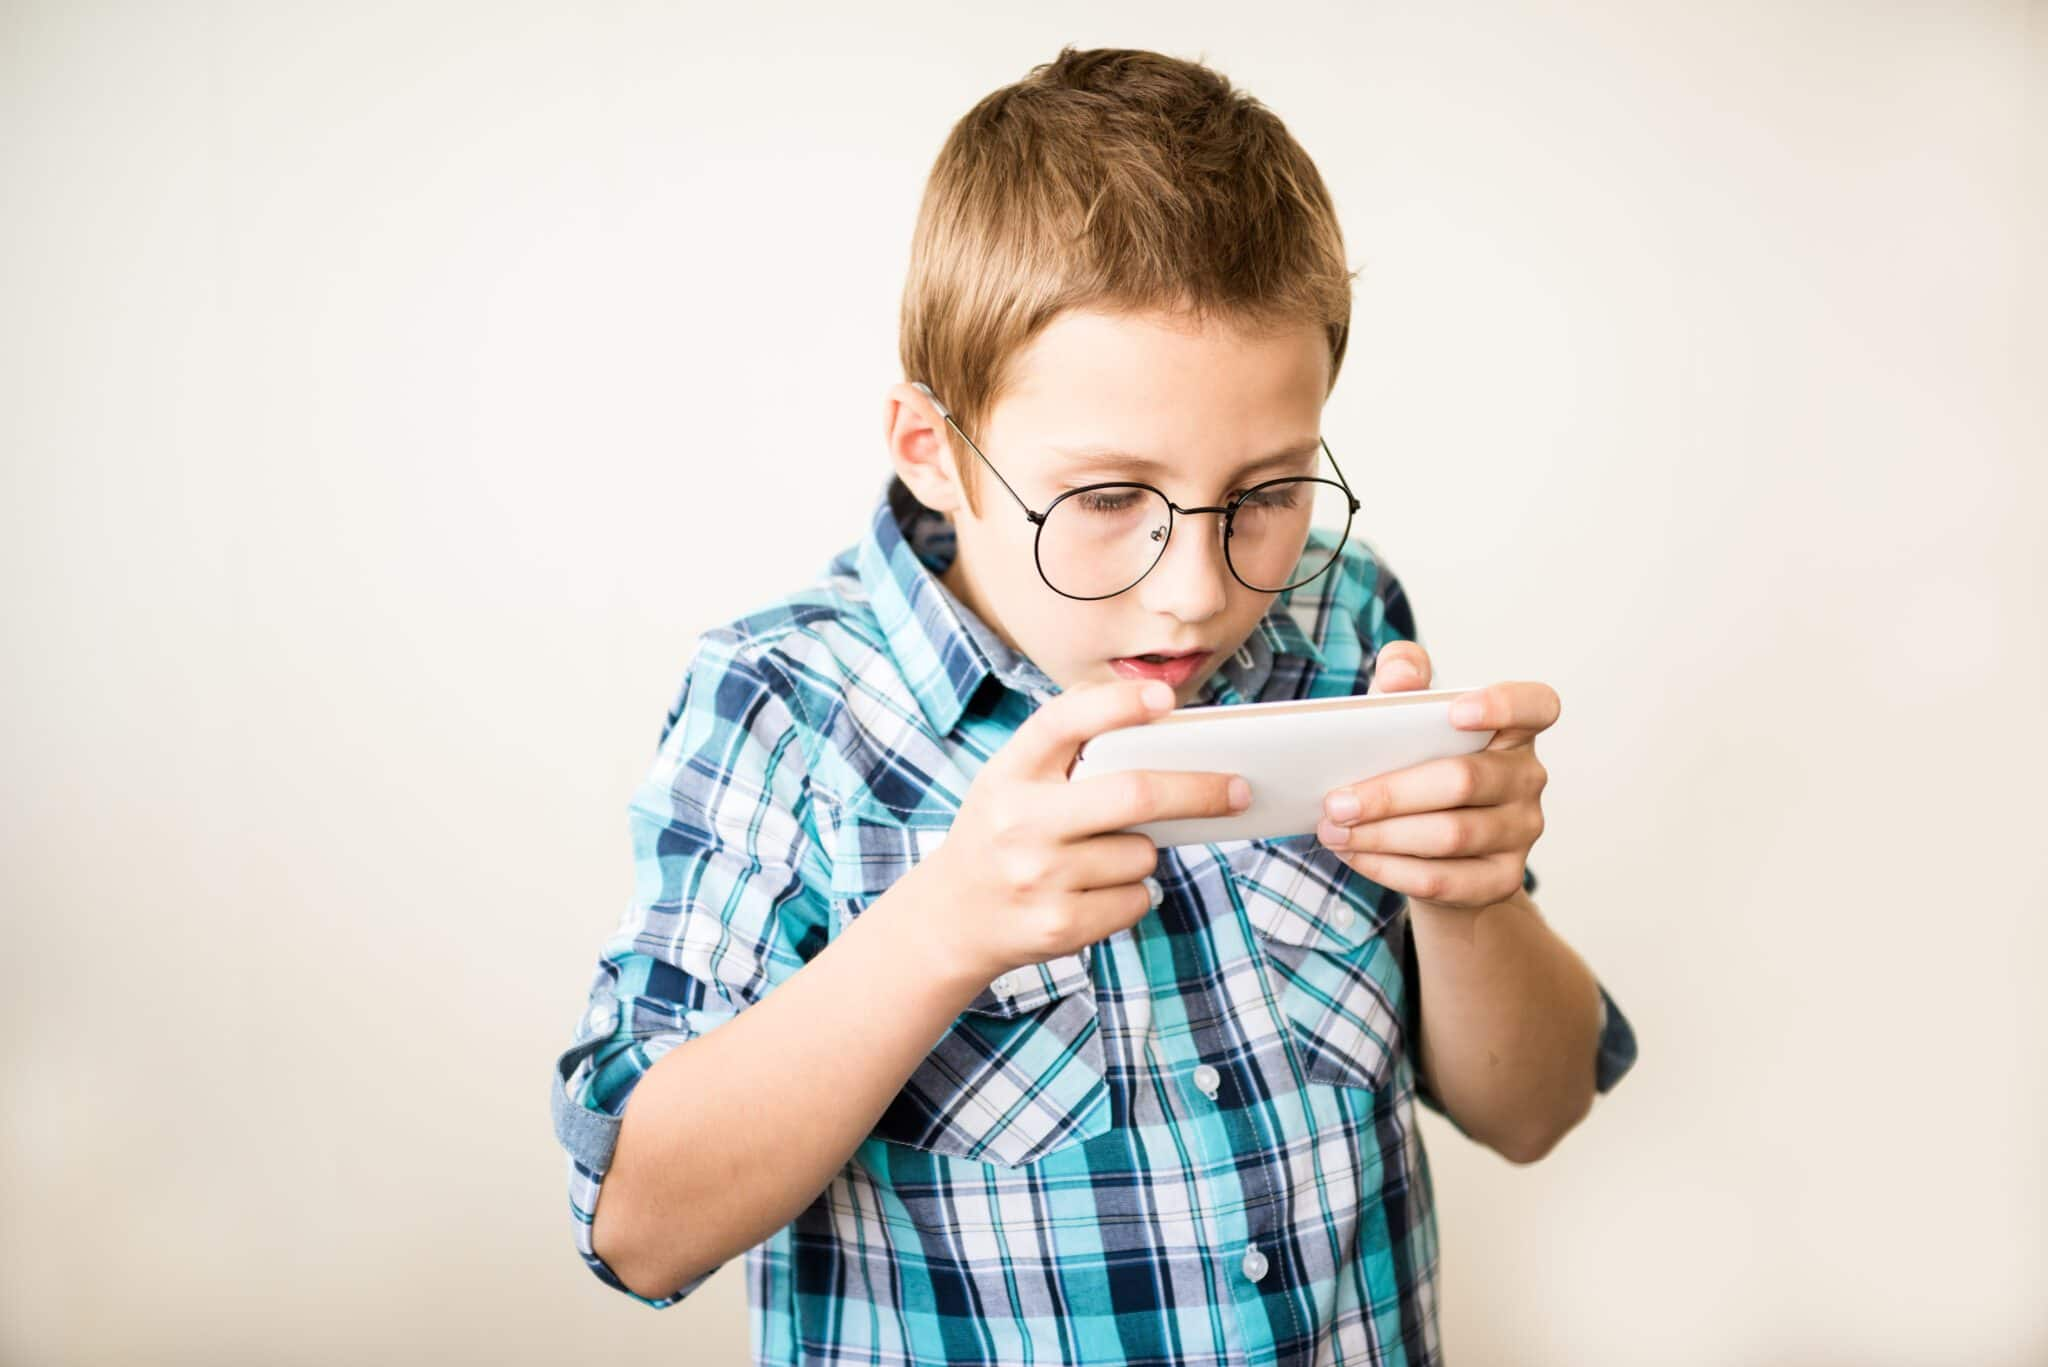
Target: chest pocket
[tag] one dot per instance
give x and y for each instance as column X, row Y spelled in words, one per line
column 1020, row 1073
column 1333, row 957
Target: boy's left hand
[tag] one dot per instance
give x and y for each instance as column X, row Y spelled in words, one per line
column 1451, row 833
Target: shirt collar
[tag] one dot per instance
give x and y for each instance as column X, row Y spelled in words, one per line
column 947, row 652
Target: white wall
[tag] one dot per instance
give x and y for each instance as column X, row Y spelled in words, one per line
column 390, row 394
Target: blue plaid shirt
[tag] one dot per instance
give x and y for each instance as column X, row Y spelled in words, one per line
column 1193, row 1142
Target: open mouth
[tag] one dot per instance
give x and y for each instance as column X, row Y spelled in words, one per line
column 1174, row 669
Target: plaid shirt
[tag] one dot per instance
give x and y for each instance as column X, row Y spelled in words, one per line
column 1193, row 1142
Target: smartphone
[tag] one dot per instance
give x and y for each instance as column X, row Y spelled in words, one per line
column 1291, row 752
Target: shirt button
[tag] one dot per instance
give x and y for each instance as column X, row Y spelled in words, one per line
column 1207, row 1081
column 1342, row 917
column 1254, row 1263
column 601, row 1020
column 1005, row 986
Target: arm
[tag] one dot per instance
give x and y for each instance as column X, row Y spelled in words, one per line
column 1516, row 1034
column 731, row 1135
column 756, row 1064
column 1511, row 1023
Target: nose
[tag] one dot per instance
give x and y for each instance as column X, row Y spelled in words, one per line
column 1192, row 579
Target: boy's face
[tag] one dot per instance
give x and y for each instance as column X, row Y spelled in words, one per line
column 1216, row 409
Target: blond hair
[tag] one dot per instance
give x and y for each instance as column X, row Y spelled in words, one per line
column 1111, row 178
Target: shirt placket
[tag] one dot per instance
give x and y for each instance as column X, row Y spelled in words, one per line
column 1231, row 1128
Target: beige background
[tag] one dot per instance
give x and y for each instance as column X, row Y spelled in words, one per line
column 390, row 394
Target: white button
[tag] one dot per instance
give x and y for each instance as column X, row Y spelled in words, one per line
column 1342, row 917
column 1005, row 986
column 1254, row 1263
column 601, row 1020
column 1207, row 1080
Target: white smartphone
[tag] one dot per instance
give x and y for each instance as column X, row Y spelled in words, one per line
column 1292, row 753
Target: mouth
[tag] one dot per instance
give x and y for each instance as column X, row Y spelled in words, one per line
column 1174, row 667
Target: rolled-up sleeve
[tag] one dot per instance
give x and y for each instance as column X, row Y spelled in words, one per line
column 723, row 909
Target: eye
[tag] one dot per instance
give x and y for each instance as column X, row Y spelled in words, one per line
column 1108, row 500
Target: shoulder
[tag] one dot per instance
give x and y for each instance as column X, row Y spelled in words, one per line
column 788, row 664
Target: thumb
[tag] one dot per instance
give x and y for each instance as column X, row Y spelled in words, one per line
column 1400, row 667
column 1047, row 742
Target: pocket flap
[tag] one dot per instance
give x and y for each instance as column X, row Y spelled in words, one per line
column 1298, row 891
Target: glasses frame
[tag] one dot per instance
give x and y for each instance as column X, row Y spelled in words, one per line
column 1228, row 511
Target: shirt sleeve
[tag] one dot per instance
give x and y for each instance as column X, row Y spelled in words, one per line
column 724, row 907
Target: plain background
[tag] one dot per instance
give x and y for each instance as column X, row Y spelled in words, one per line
column 392, row 392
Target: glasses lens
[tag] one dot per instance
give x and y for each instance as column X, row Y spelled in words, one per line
column 1099, row 541
column 1270, row 544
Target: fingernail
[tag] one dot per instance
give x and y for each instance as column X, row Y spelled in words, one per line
column 1158, row 696
column 1342, row 807
column 1333, row 836
column 1240, row 793
column 1466, row 712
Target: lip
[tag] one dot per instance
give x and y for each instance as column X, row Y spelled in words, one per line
column 1176, row 668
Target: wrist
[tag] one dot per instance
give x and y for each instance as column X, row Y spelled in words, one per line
column 919, row 917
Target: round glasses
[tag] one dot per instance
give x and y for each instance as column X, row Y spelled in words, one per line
column 1101, row 539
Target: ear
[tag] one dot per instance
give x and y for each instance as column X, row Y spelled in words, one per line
column 919, row 448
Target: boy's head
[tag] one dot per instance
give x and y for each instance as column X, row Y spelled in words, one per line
column 1119, row 253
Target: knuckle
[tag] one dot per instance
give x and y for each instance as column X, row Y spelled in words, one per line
column 1006, row 817
column 1046, row 941
column 1024, row 870
column 1510, row 883
column 1138, row 794
column 1465, row 782
column 1460, row 831
column 1058, row 928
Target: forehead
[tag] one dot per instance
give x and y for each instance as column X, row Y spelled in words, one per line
column 1168, row 369
column 1150, row 381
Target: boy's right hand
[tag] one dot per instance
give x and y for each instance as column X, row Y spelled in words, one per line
column 1036, row 866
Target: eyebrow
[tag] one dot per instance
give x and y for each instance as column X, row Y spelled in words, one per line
column 1104, row 458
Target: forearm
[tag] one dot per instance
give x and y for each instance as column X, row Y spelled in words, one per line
column 1510, row 1023
column 730, row 1136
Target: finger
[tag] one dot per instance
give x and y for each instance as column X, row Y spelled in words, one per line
column 1105, row 911
column 1476, row 780
column 1046, row 744
column 1464, row 882
column 1515, row 712
column 1400, row 667
column 1465, row 832
column 1111, row 802
column 1108, row 861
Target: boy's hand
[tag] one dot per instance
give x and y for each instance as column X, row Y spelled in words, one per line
column 1036, row 866
column 1452, row 833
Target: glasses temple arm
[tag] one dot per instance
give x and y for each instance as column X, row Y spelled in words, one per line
column 1340, row 474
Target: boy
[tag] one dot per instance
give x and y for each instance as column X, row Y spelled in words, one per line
column 971, row 1076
